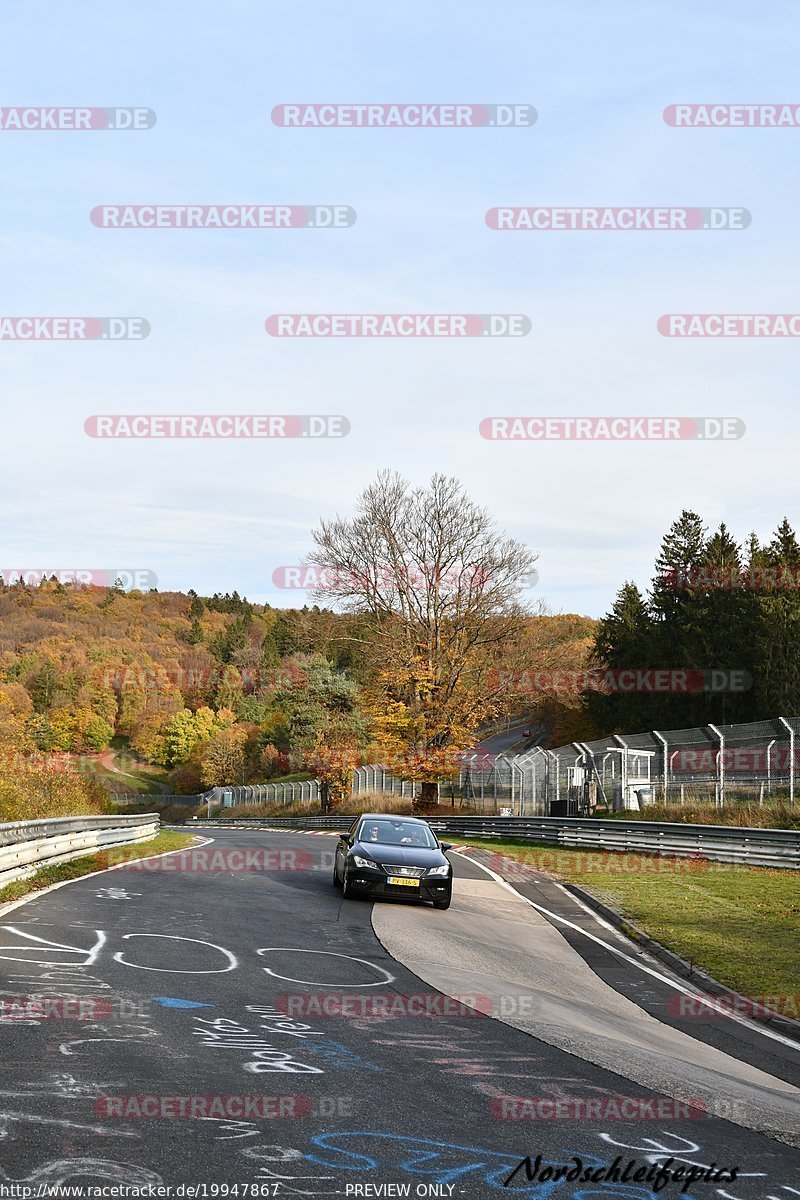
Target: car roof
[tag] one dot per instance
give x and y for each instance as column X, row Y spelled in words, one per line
column 392, row 817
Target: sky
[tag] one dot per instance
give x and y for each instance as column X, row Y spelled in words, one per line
column 218, row 515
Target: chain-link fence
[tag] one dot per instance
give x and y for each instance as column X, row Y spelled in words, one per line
column 301, row 792
column 378, row 779
column 716, row 765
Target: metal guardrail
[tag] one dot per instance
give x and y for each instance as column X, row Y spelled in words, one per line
column 27, row 845
column 718, row 843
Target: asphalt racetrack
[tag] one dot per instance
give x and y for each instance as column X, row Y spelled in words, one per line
column 222, row 1019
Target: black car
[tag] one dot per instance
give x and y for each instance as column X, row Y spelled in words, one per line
column 386, row 855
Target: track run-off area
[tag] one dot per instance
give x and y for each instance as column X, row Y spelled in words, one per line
column 221, row 1019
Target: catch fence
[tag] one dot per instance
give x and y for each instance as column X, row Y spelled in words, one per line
column 714, row 765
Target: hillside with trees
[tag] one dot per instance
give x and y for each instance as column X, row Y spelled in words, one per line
column 420, row 639
column 215, row 690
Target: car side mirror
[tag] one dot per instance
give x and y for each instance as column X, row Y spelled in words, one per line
column 345, row 837
column 446, row 845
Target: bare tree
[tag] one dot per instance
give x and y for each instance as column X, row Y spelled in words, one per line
column 442, row 589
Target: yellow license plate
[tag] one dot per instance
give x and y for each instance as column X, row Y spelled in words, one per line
column 398, row 882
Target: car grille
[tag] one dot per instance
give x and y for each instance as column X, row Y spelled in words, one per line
column 407, row 872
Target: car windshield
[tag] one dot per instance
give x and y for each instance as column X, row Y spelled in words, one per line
column 397, row 833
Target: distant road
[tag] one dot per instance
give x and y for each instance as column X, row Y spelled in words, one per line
column 513, row 740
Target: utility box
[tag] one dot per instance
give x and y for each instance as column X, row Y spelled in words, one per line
column 564, row 808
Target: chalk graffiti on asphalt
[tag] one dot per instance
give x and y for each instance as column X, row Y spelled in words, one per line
column 384, row 976
column 229, row 1129
column 115, row 893
column 221, row 1033
column 283, row 1156
column 339, row 1055
column 681, row 1149
column 8, row 1118
column 119, row 1031
column 57, row 1172
column 44, row 946
column 232, row 961
column 62, row 1086
column 447, row 1162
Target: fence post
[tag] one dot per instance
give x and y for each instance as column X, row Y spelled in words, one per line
column 623, row 770
column 665, row 770
column 786, row 725
column 720, row 766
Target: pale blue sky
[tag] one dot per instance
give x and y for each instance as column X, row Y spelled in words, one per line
column 218, row 516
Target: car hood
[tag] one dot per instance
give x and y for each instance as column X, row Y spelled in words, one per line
column 399, row 856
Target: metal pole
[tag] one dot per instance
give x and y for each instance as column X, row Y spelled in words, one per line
column 769, row 766
column 720, row 765
column 786, row 725
column 623, row 769
column 663, row 741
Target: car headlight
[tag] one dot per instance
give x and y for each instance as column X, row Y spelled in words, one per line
column 365, row 862
column 444, row 869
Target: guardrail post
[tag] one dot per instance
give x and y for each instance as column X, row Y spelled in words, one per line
column 786, row 725
column 720, row 767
